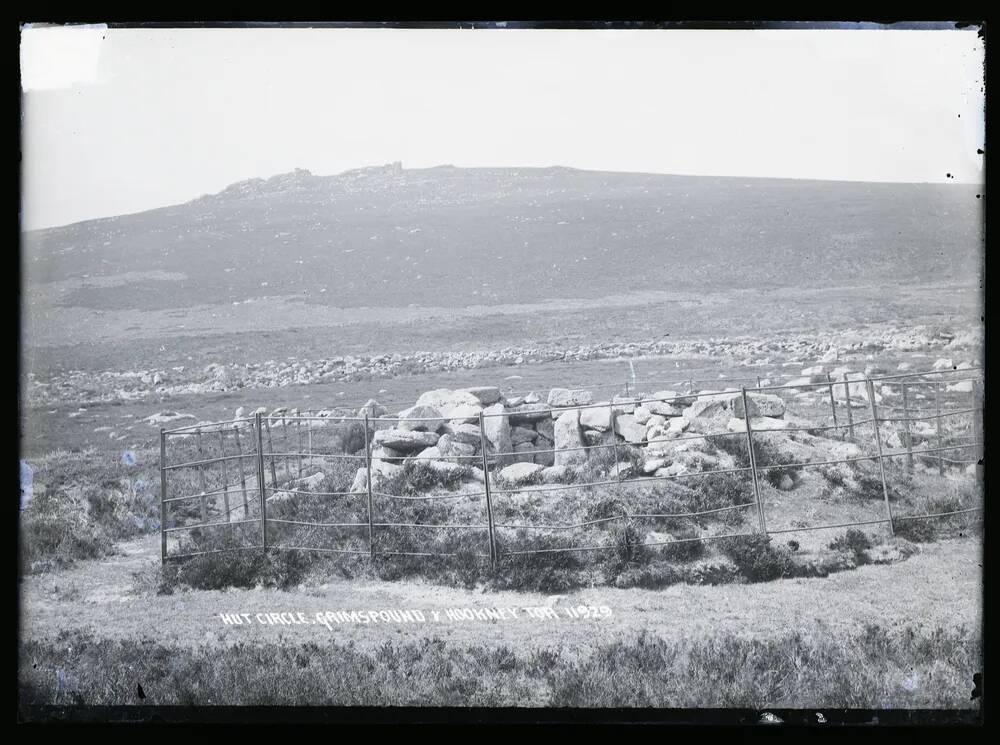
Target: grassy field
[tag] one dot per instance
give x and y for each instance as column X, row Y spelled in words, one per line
column 903, row 635
column 871, row 668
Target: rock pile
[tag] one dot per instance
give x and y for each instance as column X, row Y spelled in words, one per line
column 530, row 440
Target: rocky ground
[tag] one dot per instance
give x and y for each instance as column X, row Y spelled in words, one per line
column 750, row 354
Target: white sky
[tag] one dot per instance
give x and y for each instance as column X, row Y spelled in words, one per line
column 122, row 120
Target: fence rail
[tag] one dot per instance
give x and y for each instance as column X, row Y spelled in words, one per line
column 255, row 459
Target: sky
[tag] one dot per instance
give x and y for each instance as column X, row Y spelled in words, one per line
column 123, row 120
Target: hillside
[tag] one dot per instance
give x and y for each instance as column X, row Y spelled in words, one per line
column 452, row 237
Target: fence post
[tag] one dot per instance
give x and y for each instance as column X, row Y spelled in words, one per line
column 270, row 445
column 368, row 486
column 298, row 442
column 758, row 382
column 201, row 478
column 626, row 383
column 833, row 402
column 847, row 402
column 881, row 460
column 288, row 448
column 163, row 496
column 225, row 476
column 908, row 439
column 261, row 487
column 753, row 463
column 977, row 427
column 243, row 477
column 940, row 434
column 489, row 496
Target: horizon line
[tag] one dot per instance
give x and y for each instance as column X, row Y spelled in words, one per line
column 952, row 182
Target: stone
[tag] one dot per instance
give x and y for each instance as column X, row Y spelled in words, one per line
column 381, row 472
column 567, row 397
column 568, row 439
column 427, row 454
column 660, row 408
column 655, row 420
column 673, row 398
column 407, row 441
column 445, row 399
column 761, row 404
column 757, row 424
column 530, row 413
column 642, row 414
column 520, row 435
column 653, row 465
column 467, row 434
column 373, row 409
column 445, row 466
column 554, row 474
column 420, row 419
column 520, row 473
column 487, row 395
column 594, row 438
column 497, row 431
column 624, row 404
column 710, row 405
column 546, row 431
column 449, row 446
column 628, row 428
column 524, row 452
column 384, row 453
column 465, row 414
column 515, row 402
column 532, row 398
column 597, row 418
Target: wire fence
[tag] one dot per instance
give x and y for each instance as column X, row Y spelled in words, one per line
column 225, row 478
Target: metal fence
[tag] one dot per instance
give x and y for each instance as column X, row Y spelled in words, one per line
column 218, row 478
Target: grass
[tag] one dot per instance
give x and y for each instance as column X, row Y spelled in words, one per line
column 82, row 503
column 873, row 667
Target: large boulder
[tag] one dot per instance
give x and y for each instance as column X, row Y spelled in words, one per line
column 596, row 417
column 487, row 395
column 566, row 397
column 760, row 404
column 757, row 424
column 445, row 399
column 467, row 434
column 420, row 419
column 448, row 446
column 496, row 428
column 520, row 473
column 628, row 428
column 405, row 440
column 711, row 405
column 528, row 413
column 465, row 414
column 554, row 474
column 381, row 472
column 569, row 440
column 664, row 409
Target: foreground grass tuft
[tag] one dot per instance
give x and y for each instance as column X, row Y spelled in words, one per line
column 871, row 668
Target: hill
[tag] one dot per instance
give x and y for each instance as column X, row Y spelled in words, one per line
column 453, row 237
